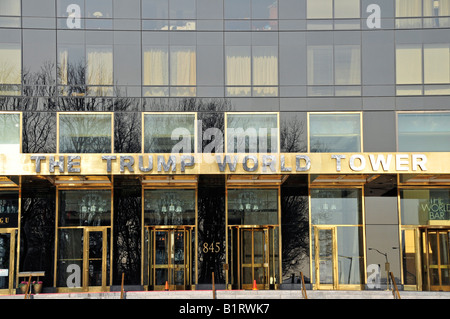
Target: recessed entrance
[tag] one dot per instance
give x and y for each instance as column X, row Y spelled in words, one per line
column 170, row 258
column 253, row 257
column 84, row 258
column 436, row 249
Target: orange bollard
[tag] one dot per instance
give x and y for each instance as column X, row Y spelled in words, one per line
column 167, row 286
column 254, row 285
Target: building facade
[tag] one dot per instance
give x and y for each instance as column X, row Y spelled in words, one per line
column 170, row 142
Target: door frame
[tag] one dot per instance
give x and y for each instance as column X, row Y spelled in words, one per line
column 235, row 280
column 424, row 234
column 86, row 257
column 187, row 265
column 12, row 257
column 334, row 258
column 266, row 258
column 84, row 272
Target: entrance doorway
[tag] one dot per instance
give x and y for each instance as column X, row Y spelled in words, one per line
column 253, row 257
column 436, row 250
column 325, row 257
column 84, row 258
column 170, row 257
column 7, row 248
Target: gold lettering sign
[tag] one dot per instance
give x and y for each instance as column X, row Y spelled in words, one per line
column 280, row 163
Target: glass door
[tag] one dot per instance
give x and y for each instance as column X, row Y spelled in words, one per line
column 84, row 258
column 170, row 263
column 437, row 253
column 255, row 258
column 325, row 258
column 96, row 258
column 7, row 244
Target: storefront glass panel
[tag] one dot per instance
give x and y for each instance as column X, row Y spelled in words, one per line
column 85, row 208
column 252, row 207
column 169, row 207
column 336, row 206
column 424, row 206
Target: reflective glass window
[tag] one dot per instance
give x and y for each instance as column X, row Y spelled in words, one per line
column 424, row 132
column 347, row 65
column 338, row 65
column 436, row 8
column 252, row 133
column 9, row 133
column 99, row 9
column 327, row 9
column 85, row 133
column 155, row 9
column 99, row 65
column 408, row 13
column 334, row 133
column 182, row 9
column 409, row 64
column 436, row 61
column 346, row 9
column 264, row 9
column 84, row 208
column 9, row 210
column 336, row 206
column 10, row 7
column 10, row 65
column 251, row 70
column 320, row 65
column 424, row 206
column 319, row 9
column 237, row 9
column 169, row 133
column 252, row 206
column 169, row 207
column 408, row 8
column 175, row 66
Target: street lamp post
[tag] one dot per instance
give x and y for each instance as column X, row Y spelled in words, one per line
column 387, row 266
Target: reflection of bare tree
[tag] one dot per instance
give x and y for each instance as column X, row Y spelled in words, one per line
column 39, row 128
column 292, row 130
column 295, row 233
column 37, row 228
column 127, row 231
